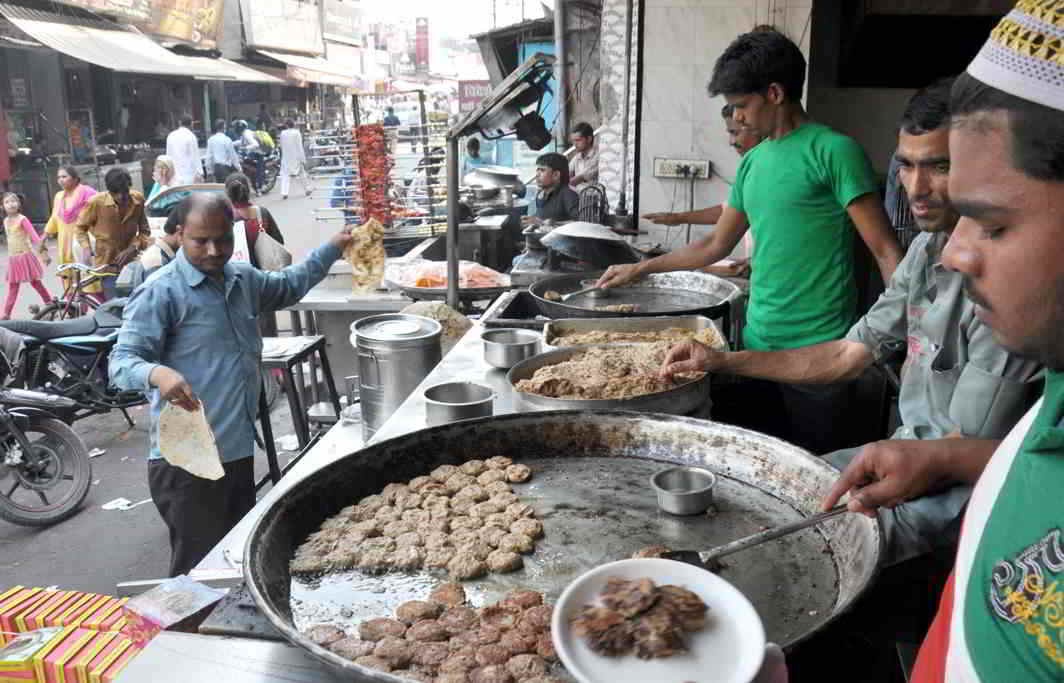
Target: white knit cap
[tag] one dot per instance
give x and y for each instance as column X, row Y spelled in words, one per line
column 1025, row 53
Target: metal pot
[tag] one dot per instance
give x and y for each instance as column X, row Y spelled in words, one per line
column 507, row 347
column 395, row 352
column 453, row 401
column 492, row 176
column 590, row 490
column 484, row 193
column 681, row 400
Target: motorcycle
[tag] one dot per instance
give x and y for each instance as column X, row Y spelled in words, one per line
column 45, row 471
column 69, row 359
column 271, row 168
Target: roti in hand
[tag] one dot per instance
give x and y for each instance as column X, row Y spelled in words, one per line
column 186, row 441
column 366, row 255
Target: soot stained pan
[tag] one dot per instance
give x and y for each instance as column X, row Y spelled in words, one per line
column 590, row 489
column 678, row 293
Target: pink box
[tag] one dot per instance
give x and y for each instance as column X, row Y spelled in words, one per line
column 57, row 663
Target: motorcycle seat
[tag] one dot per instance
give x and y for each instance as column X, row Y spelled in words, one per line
column 42, row 329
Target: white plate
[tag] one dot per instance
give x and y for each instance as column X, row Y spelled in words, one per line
column 728, row 650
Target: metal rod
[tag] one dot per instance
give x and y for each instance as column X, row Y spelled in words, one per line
column 425, row 150
column 768, row 535
column 560, row 72
column 622, row 198
column 452, row 222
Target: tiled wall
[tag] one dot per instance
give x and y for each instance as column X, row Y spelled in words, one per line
column 610, row 143
column 682, row 39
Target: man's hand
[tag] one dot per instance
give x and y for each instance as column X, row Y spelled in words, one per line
column 664, row 218
column 531, row 220
column 577, row 180
column 341, row 239
column 888, row 473
column 125, row 256
column 173, row 387
column 690, row 356
column 740, row 268
column 618, row 275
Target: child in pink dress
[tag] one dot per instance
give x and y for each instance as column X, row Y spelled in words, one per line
column 23, row 265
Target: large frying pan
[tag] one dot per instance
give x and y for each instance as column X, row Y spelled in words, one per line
column 590, row 488
column 678, row 293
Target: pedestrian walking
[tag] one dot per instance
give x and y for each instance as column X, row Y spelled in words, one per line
column 183, row 147
column 23, row 265
column 66, row 208
column 293, row 159
column 222, row 158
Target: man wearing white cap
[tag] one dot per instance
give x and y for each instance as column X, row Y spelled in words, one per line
column 1002, row 614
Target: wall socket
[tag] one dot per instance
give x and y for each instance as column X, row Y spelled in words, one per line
column 665, row 167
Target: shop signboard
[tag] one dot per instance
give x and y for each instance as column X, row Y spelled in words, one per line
column 20, row 94
column 130, row 10
column 421, row 45
column 343, row 21
column 195, row 22
column 285, row 25
column 470, row 93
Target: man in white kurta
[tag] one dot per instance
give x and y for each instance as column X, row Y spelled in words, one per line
column 293, row 159
column 183, row 147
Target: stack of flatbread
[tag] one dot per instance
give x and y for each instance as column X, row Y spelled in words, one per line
column 366, row 255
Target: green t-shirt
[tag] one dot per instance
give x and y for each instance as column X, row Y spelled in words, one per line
column 794, row 192
column 1014, row 602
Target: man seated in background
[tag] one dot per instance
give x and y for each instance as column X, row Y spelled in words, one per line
column 961, row 391
column 556, row 201
column 584, row 168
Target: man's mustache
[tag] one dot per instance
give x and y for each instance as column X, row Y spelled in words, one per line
column 974, row 296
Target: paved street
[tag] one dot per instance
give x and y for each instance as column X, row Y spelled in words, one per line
column 98, row 548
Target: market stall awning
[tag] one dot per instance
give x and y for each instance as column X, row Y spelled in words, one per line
column 120, row 48
column 313, row 69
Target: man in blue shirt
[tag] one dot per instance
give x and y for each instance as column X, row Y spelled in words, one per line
column 191, row 335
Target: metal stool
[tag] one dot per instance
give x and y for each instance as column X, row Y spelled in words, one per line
column 290, row 364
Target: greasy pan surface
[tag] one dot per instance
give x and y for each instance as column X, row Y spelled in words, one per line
column 590, row 489
column 679, row 293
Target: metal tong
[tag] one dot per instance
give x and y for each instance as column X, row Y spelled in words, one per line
column 707, row 559
column 600, row 292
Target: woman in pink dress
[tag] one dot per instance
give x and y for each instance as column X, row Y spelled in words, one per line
column 23, row 265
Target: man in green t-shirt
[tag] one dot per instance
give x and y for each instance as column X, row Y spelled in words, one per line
column 802, row 192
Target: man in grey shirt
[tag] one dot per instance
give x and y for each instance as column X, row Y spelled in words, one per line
column 222, row 159
column 961, row 391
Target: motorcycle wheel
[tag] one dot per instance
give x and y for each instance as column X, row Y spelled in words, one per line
column 271, row 182
column 52, row 482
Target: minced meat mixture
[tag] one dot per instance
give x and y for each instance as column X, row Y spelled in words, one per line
column 606, row 372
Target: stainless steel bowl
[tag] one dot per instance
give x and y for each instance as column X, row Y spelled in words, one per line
column 684, row 490
column 505, row 348
column 453, row 401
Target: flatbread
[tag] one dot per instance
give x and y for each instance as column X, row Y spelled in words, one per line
column 186, row 441
column 367, row 257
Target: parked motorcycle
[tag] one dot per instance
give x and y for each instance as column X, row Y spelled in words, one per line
column 69, row 359
column 45, row 469
column 272, row 169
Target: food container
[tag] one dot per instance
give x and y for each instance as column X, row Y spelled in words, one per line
column 507, row 347
column 555, row 330
column 395, row 352
column 684, row 490
column 453, row 401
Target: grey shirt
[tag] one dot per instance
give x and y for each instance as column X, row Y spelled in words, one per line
column 559, row 204
column 956, row 378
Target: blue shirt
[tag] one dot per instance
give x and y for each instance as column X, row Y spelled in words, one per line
column 208, row 332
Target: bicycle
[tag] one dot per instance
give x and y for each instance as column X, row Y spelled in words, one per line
column 75, row 301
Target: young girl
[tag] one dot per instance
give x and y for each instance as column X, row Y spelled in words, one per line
column 23, row 265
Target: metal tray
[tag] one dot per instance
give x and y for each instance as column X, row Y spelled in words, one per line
column 590, row 488
column 677, row 293
column 696, row 323
column 681, row 400
column 440, row 293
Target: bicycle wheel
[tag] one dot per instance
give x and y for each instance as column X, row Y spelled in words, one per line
column 64, row 310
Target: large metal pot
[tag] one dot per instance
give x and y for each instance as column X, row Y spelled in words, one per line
column 591, row 491
column 681, row 400
column 395, row 352
column 677, row 293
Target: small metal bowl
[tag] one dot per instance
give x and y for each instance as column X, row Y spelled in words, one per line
column 684, row 490
column 507, row 347
column 453, row 401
